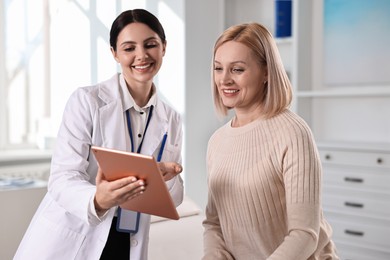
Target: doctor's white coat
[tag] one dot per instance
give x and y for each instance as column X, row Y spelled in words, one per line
column 63, row 226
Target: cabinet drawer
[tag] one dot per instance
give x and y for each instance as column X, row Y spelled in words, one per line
column 370, row 159
column 356, row 202
column 356, row 177
column 359, row 231
column 352, row 252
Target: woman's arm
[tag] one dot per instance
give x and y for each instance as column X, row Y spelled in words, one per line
column 302, row 183
column 214, row 244
column 213, row 240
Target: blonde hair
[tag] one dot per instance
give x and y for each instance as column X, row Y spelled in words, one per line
column 278, row 92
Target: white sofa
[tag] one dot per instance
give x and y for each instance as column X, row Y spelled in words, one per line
column 178, row 239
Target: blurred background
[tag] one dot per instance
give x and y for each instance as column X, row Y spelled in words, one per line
column 335, row 52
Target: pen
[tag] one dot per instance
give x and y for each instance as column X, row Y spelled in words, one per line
column 162, row 147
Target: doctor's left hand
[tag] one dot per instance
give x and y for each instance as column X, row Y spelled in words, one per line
column 113, row 193
column 169, row 169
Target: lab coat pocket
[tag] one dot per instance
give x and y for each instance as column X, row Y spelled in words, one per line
column 171, row 153
column 49, row 240
column 63, row 240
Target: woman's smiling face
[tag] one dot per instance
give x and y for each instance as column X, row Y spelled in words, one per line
column 238, row 76
column 140, row 53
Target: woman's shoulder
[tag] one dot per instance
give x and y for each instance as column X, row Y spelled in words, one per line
column 288, row 123
column 220, row 133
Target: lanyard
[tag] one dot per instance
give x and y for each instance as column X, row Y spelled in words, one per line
column 131, row 131
column 146, row 128
column 127, row 216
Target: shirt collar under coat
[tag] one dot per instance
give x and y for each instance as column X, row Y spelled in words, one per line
column 128, row 100
column 112, row 94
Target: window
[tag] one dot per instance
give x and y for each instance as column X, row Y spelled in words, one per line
column 48, row 48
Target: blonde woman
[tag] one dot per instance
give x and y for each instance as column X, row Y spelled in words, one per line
column 264, row 172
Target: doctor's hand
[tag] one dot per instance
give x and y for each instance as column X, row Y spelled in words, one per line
column 169, row 169
column 113, row 193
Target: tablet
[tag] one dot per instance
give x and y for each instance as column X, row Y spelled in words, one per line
column 156, row 199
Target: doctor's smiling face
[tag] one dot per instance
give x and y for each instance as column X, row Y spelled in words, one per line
column 140, row 51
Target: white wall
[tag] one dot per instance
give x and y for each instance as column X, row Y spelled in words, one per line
column 204, row 22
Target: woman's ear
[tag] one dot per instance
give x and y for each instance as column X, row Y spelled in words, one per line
column 266, row 73
column 164, row 48
column 114, row 54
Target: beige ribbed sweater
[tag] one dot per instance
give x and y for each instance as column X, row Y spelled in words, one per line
column 265, row 192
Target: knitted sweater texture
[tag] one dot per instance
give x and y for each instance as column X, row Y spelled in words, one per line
column 265, row 193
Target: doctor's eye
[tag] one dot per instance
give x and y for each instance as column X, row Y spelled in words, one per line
column 151, row 45
column 238, row 70
column 129, row 48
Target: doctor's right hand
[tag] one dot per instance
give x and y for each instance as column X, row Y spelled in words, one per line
column 113, row 193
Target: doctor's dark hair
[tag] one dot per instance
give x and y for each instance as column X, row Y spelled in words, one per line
column 135, row 16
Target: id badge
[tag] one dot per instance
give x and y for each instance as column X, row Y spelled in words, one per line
column 128, row 221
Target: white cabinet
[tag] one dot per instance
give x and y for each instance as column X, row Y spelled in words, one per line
column 351, row 124
column 356, row 198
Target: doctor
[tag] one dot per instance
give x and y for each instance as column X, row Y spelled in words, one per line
column 78, row 216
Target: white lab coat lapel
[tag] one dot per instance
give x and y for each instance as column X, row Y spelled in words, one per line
column 111, row 118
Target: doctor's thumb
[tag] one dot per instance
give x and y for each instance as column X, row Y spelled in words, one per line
column 170, row 167
column 177, row 168
column 99, row 176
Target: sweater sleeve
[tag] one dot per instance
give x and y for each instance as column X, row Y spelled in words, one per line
column 214, row 244
column 302, row 178
column 213, row 241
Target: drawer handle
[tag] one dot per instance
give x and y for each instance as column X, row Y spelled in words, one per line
column 353, row 204
column 379, row 160
column 354, row 233
column 351, row 179
column 327, row 157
